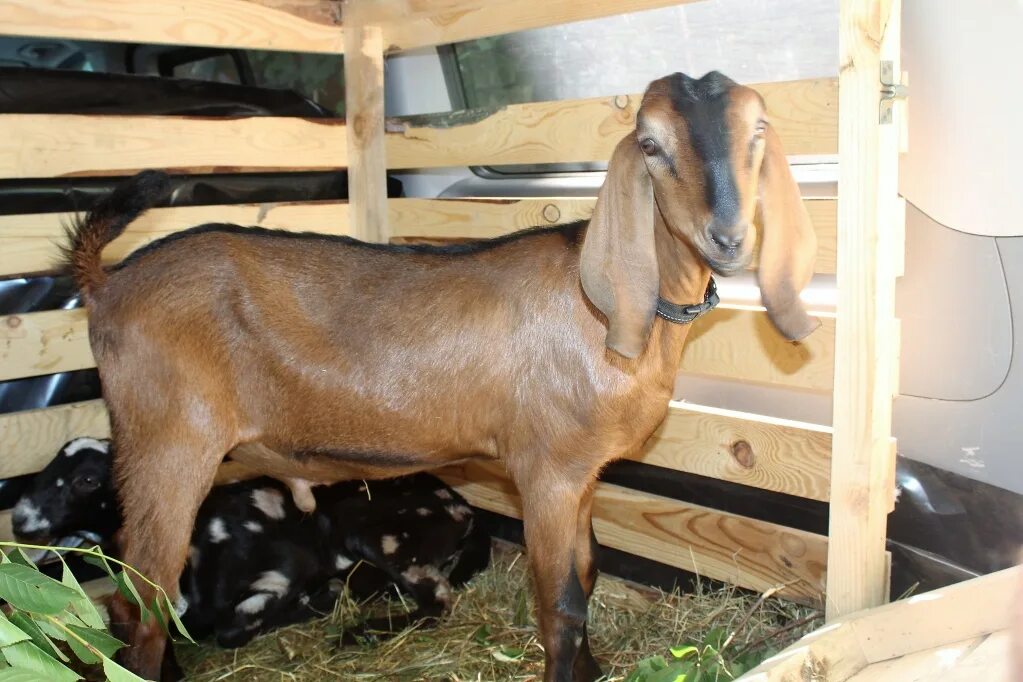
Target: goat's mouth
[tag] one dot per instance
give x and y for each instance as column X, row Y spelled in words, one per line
column 727, row 262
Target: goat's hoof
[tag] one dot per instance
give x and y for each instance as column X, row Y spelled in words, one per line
column 586, row 669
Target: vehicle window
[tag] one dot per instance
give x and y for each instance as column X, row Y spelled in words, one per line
column 750, row 40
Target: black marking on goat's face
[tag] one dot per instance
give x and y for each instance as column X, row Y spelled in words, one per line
column 73, row 494
column 699, row 138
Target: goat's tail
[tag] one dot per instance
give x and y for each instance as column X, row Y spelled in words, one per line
column 87, row 236
column 474, row 557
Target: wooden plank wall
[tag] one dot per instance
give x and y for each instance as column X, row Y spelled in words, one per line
column 733, row 343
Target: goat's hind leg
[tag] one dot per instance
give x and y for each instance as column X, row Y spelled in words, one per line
column 162, row 479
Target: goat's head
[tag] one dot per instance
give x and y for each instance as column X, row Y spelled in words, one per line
column 74, row 494
column 702, row 157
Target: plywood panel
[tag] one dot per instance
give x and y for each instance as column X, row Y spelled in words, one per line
column 743, row 551
column 46, row 145
column 804, row 113
column 737, row 344
column 294, row 25
column 30, row 439
column 773, row 454
column 742, row 345
column 28, row 243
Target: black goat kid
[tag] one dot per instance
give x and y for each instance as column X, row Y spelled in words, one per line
column 256, row 562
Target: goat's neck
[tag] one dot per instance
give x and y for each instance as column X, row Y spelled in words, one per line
column 683, row 279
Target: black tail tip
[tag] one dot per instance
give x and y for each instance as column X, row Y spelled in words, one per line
column 145, row 188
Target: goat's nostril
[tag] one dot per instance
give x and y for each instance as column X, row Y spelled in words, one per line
column 726, row 241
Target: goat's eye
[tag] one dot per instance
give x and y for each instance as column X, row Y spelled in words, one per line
column 86, row 483
column 760, row 129
column 648, row 146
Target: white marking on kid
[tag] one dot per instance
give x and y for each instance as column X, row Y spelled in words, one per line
column 30, row 517
column 270, row 502
column 254, row 526
column 342, row 563
column 274, row 582
column 79, row 444
column 218, row 532
column 389, row 544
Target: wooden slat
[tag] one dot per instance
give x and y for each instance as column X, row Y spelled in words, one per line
column 943, row 617
column 805, row 114
column 409, row 24
column 29, row 243
column 30, row 439
column 46, row 145
column 753, row 554
column 865, row 339
column 294, row 25
column 364, row 113
column 44, row 343
column 763, row 452
column 938, row 663
column 743, row 345
column 737, row 344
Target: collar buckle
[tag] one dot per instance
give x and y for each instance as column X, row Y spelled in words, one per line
column 684, row 314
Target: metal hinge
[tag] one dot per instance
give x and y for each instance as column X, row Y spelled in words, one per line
column 890, row 91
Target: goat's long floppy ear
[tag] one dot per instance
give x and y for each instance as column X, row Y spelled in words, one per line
column 788, row 246
column 618, row 264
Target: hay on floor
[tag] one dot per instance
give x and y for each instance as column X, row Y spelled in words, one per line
column 490, row 635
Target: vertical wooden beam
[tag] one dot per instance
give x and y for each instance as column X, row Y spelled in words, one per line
column 865, row 330
column 364, row 115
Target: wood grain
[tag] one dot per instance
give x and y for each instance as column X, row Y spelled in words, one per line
column 945, row 617
column 736, row 344
column 865, row 332
column 804, row 113
column 364, row 114
column 28, row 243
column 772, row 454
column 44, row 343
column 47, row 145
column 743, row 345
column 753, row 554
column 409, row 24
column 265, row 25
column 31, row 438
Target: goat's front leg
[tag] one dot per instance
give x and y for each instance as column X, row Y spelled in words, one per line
column 586, row 666
column 551, row 509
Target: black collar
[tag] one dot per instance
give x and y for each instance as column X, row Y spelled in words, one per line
column 684, row 314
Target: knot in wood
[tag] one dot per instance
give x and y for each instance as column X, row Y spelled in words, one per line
column 13, row 321
column 743, row 454
column 620, row 101
column 551, row 213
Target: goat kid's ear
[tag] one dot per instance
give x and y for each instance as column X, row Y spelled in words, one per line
column 788, row 246
column 618, row 263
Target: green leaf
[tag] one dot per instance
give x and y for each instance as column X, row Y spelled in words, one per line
column 176, row 619
column 116, row 673
column 21, row 675
column 41, row 640
column 127, row 589
column 82, row 606
column 10, row 633
column 28, row 656
column 29, row 590
column 107, row 644
column 683, row 651
column 508, row 654
column 521, row 617
column 715, row 638
column 482, row 635
column 668, row 674
column 16, row 555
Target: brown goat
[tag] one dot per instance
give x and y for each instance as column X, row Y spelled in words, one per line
column 542, row 349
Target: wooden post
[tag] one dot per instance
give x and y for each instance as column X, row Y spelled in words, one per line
column 364, row 114
column 866, row 340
